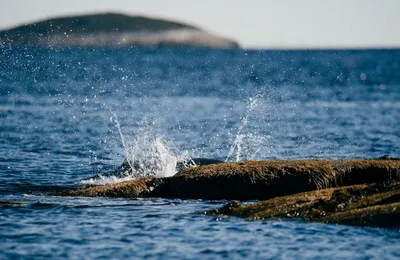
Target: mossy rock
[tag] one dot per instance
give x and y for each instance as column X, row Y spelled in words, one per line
column 127, row 189
column 268, row 179
column 252, row 179
column 376, row 204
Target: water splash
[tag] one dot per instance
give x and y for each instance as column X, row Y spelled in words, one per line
column 151, row 157
column 235, row 150
column 147, row 154
column 118, row 126
column 100, row 180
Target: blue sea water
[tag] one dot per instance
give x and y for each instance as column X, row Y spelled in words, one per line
column 60, row 109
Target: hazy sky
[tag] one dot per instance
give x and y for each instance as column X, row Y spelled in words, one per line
column 254, row 23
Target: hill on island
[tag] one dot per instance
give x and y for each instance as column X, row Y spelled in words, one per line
column 111, row 29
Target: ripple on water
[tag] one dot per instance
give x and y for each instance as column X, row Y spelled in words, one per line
column 55, row 130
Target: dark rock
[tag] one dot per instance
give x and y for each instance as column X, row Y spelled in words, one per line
column 355, row 192
column 376, row 204
column 387, row 157
column 267, row 179
column 253, row 179
column 5, row 203
column 128, row 189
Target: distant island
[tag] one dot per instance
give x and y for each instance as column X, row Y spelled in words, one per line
column 111, row 30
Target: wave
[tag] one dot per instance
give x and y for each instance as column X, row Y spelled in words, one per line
column 29, row 188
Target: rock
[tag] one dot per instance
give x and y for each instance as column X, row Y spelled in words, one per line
column 258, row 180
column 6, row 203
column 267, row 179
column 387, row 157
column 127, row 189
column 353, row 192
column 365, row 205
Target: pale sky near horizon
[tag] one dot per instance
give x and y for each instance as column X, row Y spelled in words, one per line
column 253, row 23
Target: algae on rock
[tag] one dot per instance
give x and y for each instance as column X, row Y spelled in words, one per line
column 376, row 204
column 252, row 179
column 356, row 192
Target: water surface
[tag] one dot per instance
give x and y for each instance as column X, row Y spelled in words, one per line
column 58, row 110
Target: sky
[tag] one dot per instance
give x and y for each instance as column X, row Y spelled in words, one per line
column 253, row 23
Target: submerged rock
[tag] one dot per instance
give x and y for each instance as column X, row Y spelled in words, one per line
column 365, row 205
column 5, row 203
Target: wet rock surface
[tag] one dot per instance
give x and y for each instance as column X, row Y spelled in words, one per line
column 356, row 192
column 252, row 179
column 127, row 189
column 5, row 203
column 376, row 204
column 267, row 179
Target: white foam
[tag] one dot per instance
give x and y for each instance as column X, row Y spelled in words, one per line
column 147, row 154
column 103, row 180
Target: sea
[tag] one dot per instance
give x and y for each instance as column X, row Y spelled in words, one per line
column 67, row 114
